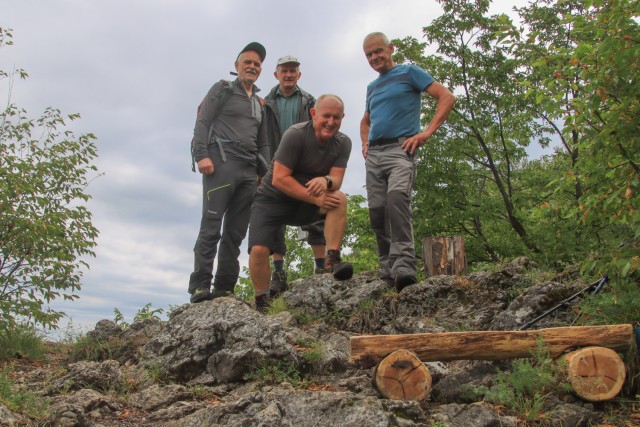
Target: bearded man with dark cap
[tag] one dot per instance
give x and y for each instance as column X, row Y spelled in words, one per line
column 229, row 144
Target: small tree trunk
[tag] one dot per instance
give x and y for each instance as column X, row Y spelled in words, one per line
column 402, row 376
column 595, row 373
column 444, row 255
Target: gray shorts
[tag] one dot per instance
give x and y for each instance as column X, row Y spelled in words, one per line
column 268, row 215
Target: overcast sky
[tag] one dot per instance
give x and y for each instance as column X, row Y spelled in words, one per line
column 136, row 70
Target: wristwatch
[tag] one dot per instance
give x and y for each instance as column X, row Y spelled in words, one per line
column 329, row 182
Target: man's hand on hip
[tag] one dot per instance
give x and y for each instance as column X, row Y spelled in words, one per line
column 412, row 144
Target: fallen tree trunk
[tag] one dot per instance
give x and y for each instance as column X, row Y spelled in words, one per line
column 368, row 350
column 402, row 376
column 596, row 374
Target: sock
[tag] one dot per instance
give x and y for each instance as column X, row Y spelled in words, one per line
column 319, row 262
column 261, row 293
column 278, row 265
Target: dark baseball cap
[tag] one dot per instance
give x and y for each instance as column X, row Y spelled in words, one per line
column 257, row 48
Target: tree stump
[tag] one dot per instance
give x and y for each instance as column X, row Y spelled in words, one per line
column 596, row 374
column 444, row 255
column 402, row 376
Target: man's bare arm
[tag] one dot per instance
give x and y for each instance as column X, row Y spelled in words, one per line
column 365, row 125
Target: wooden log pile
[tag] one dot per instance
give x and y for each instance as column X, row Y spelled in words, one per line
column 594, row 369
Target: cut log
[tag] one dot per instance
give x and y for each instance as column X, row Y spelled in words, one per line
column 368, row 350
column 402, row 376
column 444, row 255
column 596, row 374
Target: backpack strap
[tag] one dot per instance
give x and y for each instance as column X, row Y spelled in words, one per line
column 223, row 95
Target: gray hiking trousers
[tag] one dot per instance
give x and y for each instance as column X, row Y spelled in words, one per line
column 390, row 177
column 227, row 197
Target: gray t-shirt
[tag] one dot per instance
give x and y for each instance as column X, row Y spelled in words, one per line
column 300, row 151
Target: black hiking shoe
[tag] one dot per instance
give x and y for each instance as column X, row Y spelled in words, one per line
column 199, row 295
column 217, row 293
column 263, row 303
column 403, row 280
column 278, row 283
column 319, row 270
column 334, row 265
column 388, row 281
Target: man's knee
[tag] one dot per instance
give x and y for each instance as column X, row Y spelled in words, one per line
column 342, row 196
column 259, row 252
column 342, row 206
column 341, row 209
column 396, row 199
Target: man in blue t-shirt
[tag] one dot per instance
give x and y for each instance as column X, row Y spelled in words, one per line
column 390, row 134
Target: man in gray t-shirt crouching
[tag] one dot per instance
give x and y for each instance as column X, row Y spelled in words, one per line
column 301, row 187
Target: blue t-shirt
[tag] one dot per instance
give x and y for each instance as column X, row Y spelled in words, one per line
column 393, row 102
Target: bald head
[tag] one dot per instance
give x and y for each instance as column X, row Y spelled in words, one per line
column 328, row 96
column 327, row 116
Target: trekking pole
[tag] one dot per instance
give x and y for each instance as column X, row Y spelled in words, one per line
column 594, row 288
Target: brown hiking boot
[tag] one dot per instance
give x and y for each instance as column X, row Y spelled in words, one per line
column 404, row 279
column 262, row 303
column 278, row 283
column 334, row 265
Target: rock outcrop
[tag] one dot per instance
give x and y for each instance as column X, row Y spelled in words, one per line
column 221, row 362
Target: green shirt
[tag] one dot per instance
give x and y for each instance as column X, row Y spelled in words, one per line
column 287, row 109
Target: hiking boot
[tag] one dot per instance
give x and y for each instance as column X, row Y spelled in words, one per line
column 404, row 279
column 278, row 283
column 200, row 294
column 319, row 270
column 334, row 265
column 263, row 303
column 217, row 293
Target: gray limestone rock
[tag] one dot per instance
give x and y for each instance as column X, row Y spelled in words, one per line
column 224, row 338
column 96, row 375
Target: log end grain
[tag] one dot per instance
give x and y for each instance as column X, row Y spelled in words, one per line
column 596, row 374
column 402, row 376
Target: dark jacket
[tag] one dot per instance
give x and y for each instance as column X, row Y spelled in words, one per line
column 232, row 118
column 307, row 101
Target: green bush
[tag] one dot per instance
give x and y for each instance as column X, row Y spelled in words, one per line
column 527, row 387
column 618, row 302
column 89, row 348
column 276, row 373
column 21, row 341
column 46, row 233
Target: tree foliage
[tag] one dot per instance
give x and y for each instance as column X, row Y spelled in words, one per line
column 45, row 227
column 565, row 73
column 583, row 74
column 469, row 175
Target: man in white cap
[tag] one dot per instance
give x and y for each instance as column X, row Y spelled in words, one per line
column 229, row 140
column 286, row 105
